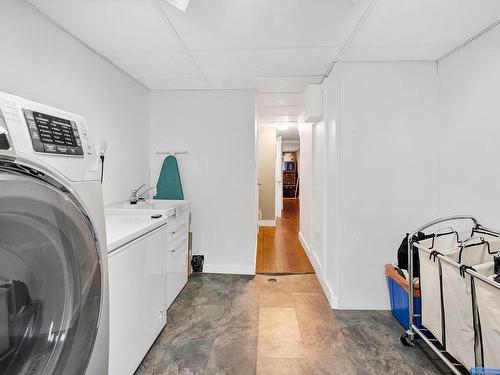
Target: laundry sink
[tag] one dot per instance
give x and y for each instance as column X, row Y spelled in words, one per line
column 123, row 225
column 148, row 204
column 168, row 206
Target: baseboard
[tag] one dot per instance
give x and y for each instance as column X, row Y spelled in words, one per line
column 235, row 269
column 267, row 223
column 332, row 299
column 312, row 257
column 335, row 303
column 303, row 242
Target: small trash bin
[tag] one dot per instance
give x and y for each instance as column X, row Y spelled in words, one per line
column 398, row 294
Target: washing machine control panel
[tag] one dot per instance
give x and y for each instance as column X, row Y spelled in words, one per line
column 53, row 135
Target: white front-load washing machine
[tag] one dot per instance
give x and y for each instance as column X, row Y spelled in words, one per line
column 53, row 263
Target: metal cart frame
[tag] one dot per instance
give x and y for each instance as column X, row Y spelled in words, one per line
column 408, row 337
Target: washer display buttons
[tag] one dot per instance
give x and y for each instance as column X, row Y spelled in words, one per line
column 75, row 151
column 38, row 146
column 62, row 149
column 50, row 148
column 34, row 135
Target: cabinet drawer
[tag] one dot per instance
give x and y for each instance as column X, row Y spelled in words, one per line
column 177, row 268
column 177, row 232
column 176, row 221
column 177, row 245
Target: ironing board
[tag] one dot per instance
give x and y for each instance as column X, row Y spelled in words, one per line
column 169, row 184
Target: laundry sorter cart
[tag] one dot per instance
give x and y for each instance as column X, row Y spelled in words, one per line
column 487, row 294
column 459, row 301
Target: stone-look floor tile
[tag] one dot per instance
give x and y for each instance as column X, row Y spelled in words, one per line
column 233, row 357
column 185, row 357
column 284, row 366
column 269, row 298
column 230, row 324
column 279, row 334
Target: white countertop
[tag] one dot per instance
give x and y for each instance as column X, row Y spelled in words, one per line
column 124, row 226
column 126, row 222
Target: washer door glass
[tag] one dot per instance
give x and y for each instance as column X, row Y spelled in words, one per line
column 50, row 280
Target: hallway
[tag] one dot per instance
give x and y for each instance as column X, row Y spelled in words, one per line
column 279, row 249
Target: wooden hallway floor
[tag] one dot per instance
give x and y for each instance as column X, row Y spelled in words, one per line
column 279, row 249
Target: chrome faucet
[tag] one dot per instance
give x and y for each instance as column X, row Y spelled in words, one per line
column 134, row 198
column 133, row 194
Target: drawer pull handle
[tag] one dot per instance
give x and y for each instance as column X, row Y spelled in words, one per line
column 177, row 248
column 178, row 229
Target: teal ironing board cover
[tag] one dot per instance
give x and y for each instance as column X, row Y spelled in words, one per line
column 169, row 184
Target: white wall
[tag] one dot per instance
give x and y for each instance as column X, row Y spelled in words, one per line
column 219, row 173
column 40, row 62
column 384, row 147
column 470, row 130
column 387, row 123
column 377, row 132
column 329, row 275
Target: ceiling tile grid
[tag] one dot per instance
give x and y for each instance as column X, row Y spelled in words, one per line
column 276, row 46
column 419, row 30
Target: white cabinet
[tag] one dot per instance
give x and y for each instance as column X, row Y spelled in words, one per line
column 138, row 299
column 177, row 255
column 145, row 276
column 313, row 106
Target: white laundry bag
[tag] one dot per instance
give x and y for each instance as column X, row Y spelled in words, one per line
column 488, row 305
column 458, row 305
column 430, row 284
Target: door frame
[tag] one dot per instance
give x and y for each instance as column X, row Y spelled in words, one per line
column 278, row 189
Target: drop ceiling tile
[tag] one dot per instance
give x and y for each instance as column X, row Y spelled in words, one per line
column 264, row 100
column 285, row 85
column 423, row 29
column 232, row 83
column 290, row 144
column 117, row 25
column 384, row 53
column 177, row 84
column 228, row 24
column 289, row 135
column 156, row 65
column 280, row 110
column 265, row 62
column 278, row 119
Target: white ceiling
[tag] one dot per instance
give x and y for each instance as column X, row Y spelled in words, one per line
column 289, row 135
column 273, row 109
column 275, row 46
column 419, row 29
column 290, row 146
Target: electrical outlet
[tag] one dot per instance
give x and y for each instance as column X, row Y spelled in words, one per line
column 103, row 147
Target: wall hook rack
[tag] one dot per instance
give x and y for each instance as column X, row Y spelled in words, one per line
column 172, row 152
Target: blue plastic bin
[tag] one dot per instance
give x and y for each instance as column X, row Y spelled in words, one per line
column 399, row 299
column 484, row 371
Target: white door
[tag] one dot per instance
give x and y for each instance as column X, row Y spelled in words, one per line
column 279, row 177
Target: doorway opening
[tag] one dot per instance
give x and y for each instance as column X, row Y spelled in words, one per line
column 279, row 250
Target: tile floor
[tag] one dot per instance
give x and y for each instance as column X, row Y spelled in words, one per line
column 229, row 324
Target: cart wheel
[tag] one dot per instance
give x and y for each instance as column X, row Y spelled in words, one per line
column 406, row 341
